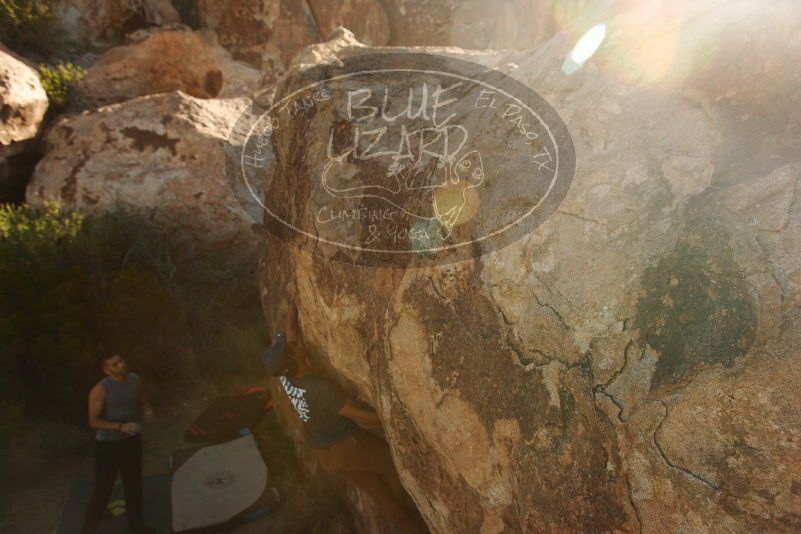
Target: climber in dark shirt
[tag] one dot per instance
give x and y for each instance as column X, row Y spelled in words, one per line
column 331, row 423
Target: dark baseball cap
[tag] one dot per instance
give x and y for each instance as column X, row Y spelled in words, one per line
column 275, row 359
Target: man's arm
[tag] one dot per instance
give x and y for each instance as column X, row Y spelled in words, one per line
column 97, row 397
column 357, row 414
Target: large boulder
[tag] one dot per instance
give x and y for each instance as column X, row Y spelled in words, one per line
column 632, row 363
column 23, row 101
column 160, row 155
column 23, row 104
column 165, row 60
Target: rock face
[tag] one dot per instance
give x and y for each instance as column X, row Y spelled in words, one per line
column 631, row 365
column 268, row 34
column 104, row 23
column 23, row 104
column 174, row 59
column 515, row 24
column 161, row 155
column 23, row 101
column 367, row 19
column 264, row 34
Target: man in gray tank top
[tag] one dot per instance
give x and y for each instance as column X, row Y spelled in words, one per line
column 115, row 406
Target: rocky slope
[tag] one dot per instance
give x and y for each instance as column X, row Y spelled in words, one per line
column 630, row 365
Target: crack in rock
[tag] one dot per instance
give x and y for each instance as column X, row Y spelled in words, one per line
column 634, row 506
column 667, row 460
column 599, row 390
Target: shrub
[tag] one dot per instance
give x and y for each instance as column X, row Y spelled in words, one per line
column 59, row 82
column 26, row 24
column 75, row 287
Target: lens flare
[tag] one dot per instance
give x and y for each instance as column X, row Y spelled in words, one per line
column 455, row 204
column 588, row 44
column 584, row 49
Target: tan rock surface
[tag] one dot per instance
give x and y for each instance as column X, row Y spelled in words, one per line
column 268, row 34
column 264, row 34
column 161, row 155
column 23, row 101
column 367, row 19
column 632, row 365
column 164, row 60
column 514, row 24
column 23, row 104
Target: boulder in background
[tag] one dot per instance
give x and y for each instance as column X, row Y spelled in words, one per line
column 104, row 23
column 23, row 104
column 161, row 155
column 167, row 59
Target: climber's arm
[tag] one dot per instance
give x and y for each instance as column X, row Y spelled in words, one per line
column 358, row 414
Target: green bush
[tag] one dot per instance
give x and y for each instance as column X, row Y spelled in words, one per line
column 59, row 81
column 75, row 287
column 26, row 24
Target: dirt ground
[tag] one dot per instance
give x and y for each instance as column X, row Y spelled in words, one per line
column 34, row 504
